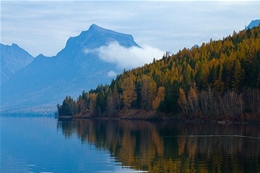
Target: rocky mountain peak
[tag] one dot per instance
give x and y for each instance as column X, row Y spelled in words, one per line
column 96, row 37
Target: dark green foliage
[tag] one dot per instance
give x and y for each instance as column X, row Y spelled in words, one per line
column 101, row 102
column 170, row 102
column 68, row 107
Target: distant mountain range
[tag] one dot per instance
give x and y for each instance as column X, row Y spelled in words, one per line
column 13, row 58
column 29, row 83
column 47, row 80
column 253, row 23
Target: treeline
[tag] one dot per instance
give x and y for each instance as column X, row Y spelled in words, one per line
column 218, row 80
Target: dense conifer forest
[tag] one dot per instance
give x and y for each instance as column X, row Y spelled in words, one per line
column 217, row 80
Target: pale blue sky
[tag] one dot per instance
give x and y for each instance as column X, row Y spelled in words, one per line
column 44, row 26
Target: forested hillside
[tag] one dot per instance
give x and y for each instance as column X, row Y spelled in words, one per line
column 217, row 80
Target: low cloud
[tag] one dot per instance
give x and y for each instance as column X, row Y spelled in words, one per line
column 111, row 74
column 128, row 57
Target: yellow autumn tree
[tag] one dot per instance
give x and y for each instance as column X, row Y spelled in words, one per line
column 193, row 101
column 238, row 76
column 159, row 97
column 92, row 104
column 148, row 91
column 129, row 93
column 183, row 103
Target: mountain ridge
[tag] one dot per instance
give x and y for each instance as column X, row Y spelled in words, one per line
column 46, row 80
column 96, row 37
column 13, row 58
column 253, row 23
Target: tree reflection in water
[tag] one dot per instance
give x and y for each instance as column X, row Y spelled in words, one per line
column 168, row 147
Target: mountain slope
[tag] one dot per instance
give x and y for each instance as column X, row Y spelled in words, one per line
column 48, row 79
column 219, row 80
column 253, row 23
column 13, row 58
column 93, row 38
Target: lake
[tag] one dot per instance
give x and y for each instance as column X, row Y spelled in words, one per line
column 45, row 144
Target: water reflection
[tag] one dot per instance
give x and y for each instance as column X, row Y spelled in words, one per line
column 167, row 147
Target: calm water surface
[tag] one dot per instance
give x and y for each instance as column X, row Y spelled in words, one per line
column 44, row 144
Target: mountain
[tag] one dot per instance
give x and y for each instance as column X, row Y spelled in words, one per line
column 219, row 80
column 13, row 58
column 94, row 38
column 253, row 23
column 77, row 67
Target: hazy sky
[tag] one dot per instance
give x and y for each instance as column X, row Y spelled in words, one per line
column 44, row 26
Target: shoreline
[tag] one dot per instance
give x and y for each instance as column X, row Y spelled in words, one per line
column 165, row 119
column 143, row 115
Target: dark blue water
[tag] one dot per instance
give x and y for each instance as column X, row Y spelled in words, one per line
column 36, row 145
column 45, row 144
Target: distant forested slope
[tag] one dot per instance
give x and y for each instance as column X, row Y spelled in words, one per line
column 217, row 80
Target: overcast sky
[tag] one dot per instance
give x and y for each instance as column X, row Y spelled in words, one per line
column 44, row 26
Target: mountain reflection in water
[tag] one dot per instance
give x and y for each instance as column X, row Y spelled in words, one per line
column 168, row 147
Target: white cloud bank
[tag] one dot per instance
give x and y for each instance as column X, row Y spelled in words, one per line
column 128, row 57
